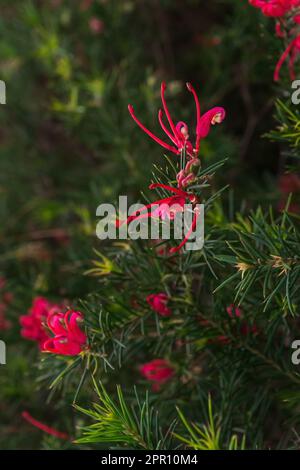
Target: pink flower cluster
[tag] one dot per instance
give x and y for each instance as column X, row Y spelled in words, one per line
column 287, row 14
column 179, row 136
column 54, row 331
column 158, row 371
column 158, row 303
column 234, row 311
column 34, row 323
column 179, row 133
column 68, row 338
column 275, row 8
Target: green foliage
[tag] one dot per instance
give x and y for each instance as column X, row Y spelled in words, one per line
column 117, row 423
column 208, row 436
column 288, row 129
column 266, row 256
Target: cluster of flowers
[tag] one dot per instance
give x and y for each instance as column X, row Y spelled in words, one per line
column 181, row 145
column 159, row 371
column 56, row 330
column 287, row 14
column 53, row 328
column 70, row 340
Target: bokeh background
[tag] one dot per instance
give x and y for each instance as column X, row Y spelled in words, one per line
column 67, row 142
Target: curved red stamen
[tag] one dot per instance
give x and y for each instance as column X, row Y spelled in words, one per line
column 291, row 64
column 190, row 231
column 282, row 59
column 149, row 133
column 162, row 94
column 160, row 115
column 43, row 427
column 198, row 110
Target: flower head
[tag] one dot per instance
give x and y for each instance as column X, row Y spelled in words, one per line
column 234, row 311
column 167, row 208
column 34, row 323
column 290, row 52
column 179, row 133
column 69, row 339
column 158, row 371
column 286, row 27
column 158, row 303
column 188, row 175
column 274, row 8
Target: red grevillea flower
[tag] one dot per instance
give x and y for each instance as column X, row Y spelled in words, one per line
column 187, row 175
column 158, row 371
column 34, row 323
column 234, row 311
column 291, row 52
column 168, row 207
column 179, row 133
column 275, row 8
column 283, row 10
column 43, row 427
column 68, row 339
column 158, row 303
